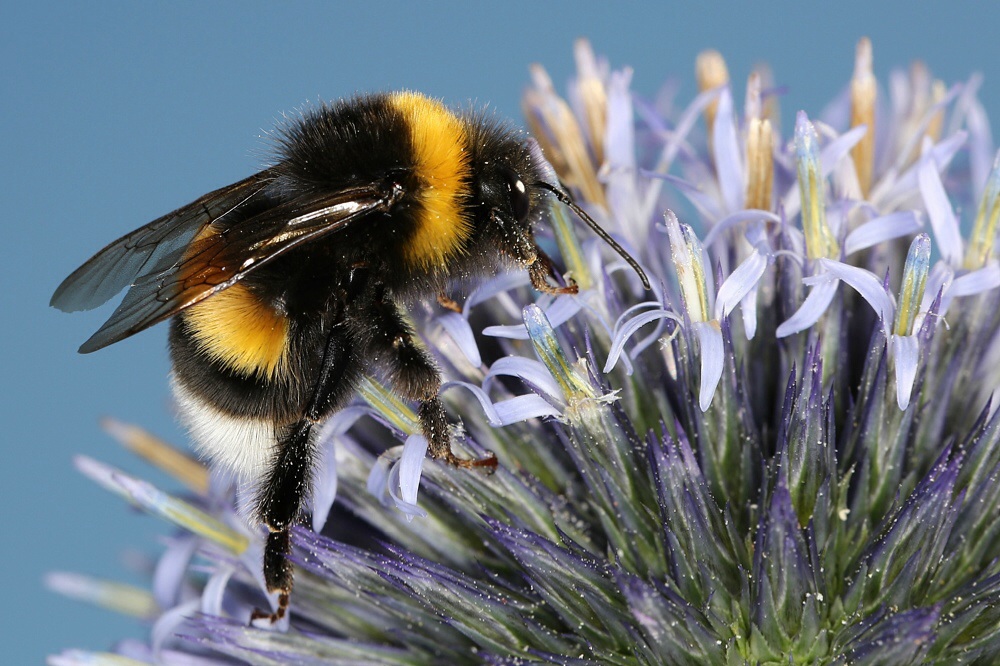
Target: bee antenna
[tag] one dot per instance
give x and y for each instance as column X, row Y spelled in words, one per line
column 564, row 198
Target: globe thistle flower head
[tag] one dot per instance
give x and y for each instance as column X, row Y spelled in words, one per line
column 786, row 451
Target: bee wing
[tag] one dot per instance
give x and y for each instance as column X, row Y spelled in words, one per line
column 160, row 243
column 214, row 261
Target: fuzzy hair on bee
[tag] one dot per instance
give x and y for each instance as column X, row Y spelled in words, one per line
column 283, row 289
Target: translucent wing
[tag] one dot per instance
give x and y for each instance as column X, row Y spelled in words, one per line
column 161, row 243
column 215, row 260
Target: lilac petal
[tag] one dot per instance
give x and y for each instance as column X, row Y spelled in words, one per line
column 748, row 308
column 905, row 351
column 981, row 154
column 395, row 479
column 728, row 165
column 215, row 588
column 411, row 465
column 324, row 487
column 674, row 143
column 629, row 329
column 458, row 328
column 325, row 484
column 558, row 313
column 811, row 310
column 528, row 370
column 619, row 135
column 735, row 219
column 881, row 229
column 942, row 217
column 523, row 408
column 977, row 281
column 378, row 477
column 868, row 285
column 942, row 153
column 513, row 410
column 171, row 570
column 917, row 133
column 166, row 626
column 712, row 359
column 706, row 205
column 490, row 289
column 740, row 282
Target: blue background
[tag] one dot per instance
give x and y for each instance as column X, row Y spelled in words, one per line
column 113, row 114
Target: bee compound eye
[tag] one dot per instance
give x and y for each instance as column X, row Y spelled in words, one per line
column 520, row 200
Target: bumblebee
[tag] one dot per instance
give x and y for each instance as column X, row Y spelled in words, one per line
column 283, row 288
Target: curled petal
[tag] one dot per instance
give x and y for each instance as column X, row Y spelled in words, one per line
column 942, row 217
column 905, row 352
column 325, row 484
column 458, row 328
column 493, row 288
column 741, row 282
column 168, row 624
column 411, row 465
column 215, row 588
column 866, row 284
column 324, row 487
column 880, row 229
column 378, row 477
column 528, row 370
column 712, row 359
column 524, row 407
column 736, row 219
column 171, row 569
column 396, row 475
column 748, row 308
column 629, row 329
column 512, row 410
column 811, row 310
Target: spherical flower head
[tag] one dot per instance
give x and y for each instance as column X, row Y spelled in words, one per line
column 811, row 481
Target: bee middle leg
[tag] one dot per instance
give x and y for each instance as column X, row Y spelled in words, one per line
column 415, row 376
column 289, row 479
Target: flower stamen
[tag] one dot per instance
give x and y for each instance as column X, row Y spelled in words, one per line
column 863, row 96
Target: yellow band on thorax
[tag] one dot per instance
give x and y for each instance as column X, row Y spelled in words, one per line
column 441, row 165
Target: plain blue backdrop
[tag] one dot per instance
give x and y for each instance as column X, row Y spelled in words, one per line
column 112, row 114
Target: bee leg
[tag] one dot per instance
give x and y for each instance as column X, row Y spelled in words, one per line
column 278, row 506
column 446, row 301
column 541, row 268
column 289, row 479
column 415, row 376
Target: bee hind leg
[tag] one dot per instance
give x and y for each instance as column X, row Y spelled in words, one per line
column 278, row 503
column 289, row 478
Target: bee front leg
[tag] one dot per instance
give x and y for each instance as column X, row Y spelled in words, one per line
column 415, row 376
column 540, row 267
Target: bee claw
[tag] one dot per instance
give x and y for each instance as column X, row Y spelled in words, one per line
column 272, row 618
column 489, row 461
